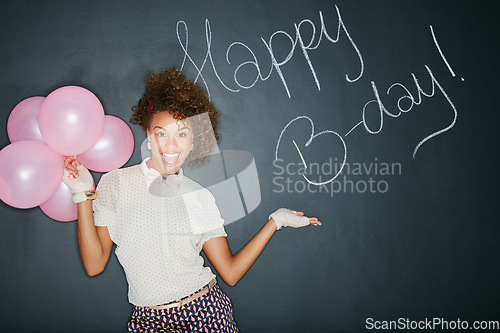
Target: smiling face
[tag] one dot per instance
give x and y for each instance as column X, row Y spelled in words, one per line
column 170, row 141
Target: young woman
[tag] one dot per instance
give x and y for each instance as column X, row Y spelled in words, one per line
column 159, row 234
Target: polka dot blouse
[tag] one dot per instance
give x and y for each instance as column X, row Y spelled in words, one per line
column 159, row 226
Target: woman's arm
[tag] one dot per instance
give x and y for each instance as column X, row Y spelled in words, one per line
column 231, row 268
column 94, row 242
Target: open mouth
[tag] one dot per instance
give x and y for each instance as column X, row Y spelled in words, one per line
column 170, row 159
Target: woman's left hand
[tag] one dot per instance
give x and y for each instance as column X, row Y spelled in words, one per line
column 312, row 220
column 284, row 217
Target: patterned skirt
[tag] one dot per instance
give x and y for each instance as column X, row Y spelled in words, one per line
column 212, row 312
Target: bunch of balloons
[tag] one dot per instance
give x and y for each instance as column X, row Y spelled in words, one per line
column 42, row 131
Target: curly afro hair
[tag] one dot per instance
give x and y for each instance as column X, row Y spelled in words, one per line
column 171, row 92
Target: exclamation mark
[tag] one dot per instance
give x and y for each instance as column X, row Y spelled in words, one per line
column 442, row 55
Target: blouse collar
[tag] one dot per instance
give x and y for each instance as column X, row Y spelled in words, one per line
column 151, row 174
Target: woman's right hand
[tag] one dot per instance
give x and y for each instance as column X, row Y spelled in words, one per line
column 71, row 163
column 76, row 176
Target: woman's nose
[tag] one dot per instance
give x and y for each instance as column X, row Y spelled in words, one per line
column 170, row 142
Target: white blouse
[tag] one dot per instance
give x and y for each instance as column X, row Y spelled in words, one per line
column 159, row 226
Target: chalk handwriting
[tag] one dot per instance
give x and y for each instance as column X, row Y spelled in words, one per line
column 442, row 54
column 405, row 103
column 308, row 142
column 306, row 43
column 408, row 97
column 298, row 40
column 208, row 55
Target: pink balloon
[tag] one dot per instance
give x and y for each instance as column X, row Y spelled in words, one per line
column 23, row 120
column 60, row 206
column 30, row 173
column 71, row 120
column 113, row 149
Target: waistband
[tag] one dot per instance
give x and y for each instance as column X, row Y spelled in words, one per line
column 187, row 299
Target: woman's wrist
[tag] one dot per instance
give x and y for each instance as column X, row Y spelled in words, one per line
column 84, row 196
column 271, row 224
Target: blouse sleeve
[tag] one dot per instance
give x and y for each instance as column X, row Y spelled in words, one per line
column 217, row 229
column 204, row 216
column 221, row 232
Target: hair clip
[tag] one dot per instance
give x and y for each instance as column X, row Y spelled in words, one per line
column 151, row 104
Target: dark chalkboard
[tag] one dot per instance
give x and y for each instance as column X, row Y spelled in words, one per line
column 391, row 104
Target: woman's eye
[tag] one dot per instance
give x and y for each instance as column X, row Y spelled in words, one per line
column 160, row 134
column 182, row 135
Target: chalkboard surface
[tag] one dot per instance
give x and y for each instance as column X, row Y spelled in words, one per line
column 390, row 104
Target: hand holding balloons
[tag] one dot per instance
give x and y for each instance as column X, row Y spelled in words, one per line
column 70, row 121
column 81, row 181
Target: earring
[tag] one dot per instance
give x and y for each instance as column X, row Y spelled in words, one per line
column 149, row 145
column 192, row 146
